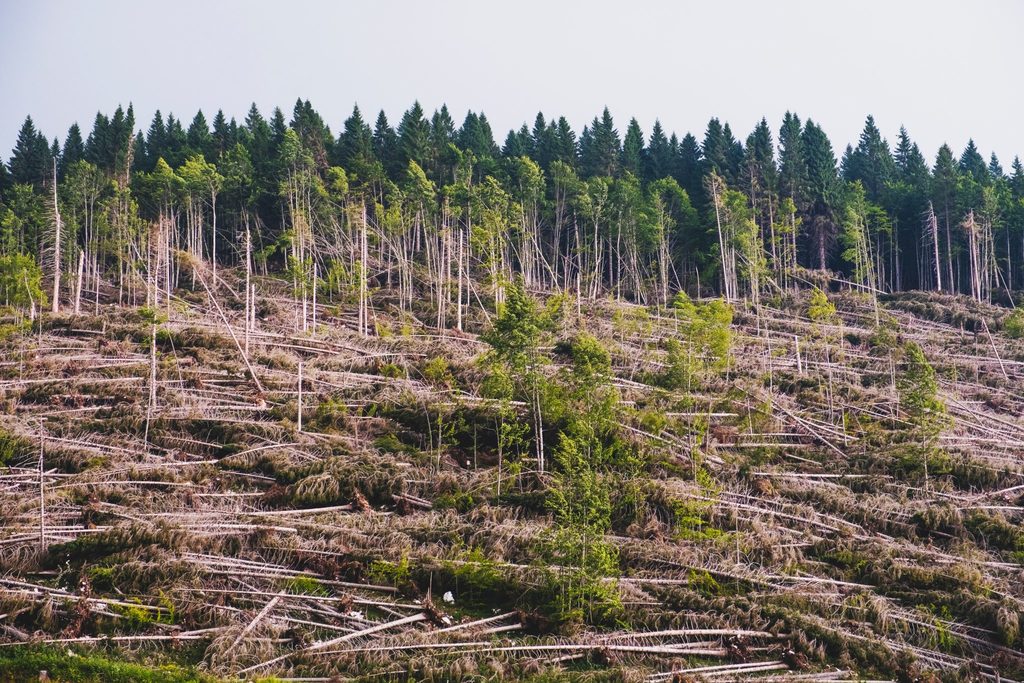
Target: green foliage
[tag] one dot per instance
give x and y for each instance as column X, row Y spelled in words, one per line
column 12, row 447
column 305, row 585
column 515, row 336
column 1013, row 325
column 706, row 342
column 589, row 462
column 478, row 577
column 24, row 662
column 702, row 582
column 459, row 500
column 919, row 392
column 21, row 282
column 820, row 309
column 437, row 372
column 397, row 574
column 691, row 516
column 141, row 617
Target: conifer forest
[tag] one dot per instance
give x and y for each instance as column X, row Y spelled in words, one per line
column 409, row 401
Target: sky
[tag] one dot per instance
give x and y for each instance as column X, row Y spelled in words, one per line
column 947, row 70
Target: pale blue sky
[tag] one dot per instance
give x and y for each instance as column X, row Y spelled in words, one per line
column 947, row 70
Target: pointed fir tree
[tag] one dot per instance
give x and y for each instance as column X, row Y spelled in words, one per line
column 973, row 164
column 658, row 161
column 385, row 145
column 633, row 149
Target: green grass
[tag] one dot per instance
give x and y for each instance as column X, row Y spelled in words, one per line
column 23, row 663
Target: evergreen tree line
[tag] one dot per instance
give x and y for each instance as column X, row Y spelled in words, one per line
column 429, row 203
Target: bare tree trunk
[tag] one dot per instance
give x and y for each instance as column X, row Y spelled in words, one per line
column 314, row 296
column 458, row 310
column 42, row 499
column 213, row 237
column 363, row 290
column 933, row 227
column 56, row 244
column 248, row 286
column 300, row 397
column 78, row 282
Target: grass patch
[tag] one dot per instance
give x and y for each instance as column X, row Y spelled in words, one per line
column 23, row 663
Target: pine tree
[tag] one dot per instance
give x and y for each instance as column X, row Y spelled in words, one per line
column 30, row 161
column 973, row 164
column 823, row 187
column 156, row 141
column 792, row 162
column 223, row 139
column 714, row 150
column 658, row 162
column 515, row 145
column 689, row 170
column 907, row 202
column 176, row 144
column 759, row 174
column 385, row 145
column 566, row 146
column 995, row 169
column 74, row 150
column 442, row 136
column 633, row 149
column 278, row 129
column 414, row 137
column 544, row 136
column 600, row 148
column 733, row 153
column 198, row 138
column 871, row 162
column 313, row 132
column 1017, row 179
column 354, row 149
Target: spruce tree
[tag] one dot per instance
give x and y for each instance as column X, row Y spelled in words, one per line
column 714, row 150
column 792, row 164
column 198, row 138
column 633, row 149
column 759, row 174
column 823, row 188
column 689, row 170
column 414, row 136
column 30, row 160
column 74, row 150
column 544, row 135
column 871, row 162
column 385, row 145
column 973, row 164
column 995, row 169
column 600, row 148
column 156, row 141
column 566, row 147
column 222, row 136
column 658, row 161
column 733, row 153
column 354, row 149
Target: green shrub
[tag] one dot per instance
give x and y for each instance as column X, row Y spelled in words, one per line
column 1013, row 326
column 305, row 585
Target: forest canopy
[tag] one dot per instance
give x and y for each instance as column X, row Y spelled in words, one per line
column 634, row 214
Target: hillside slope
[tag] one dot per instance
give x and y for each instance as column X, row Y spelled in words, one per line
column 797, row 493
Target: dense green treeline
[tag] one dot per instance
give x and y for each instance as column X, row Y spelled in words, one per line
column 433, row 203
